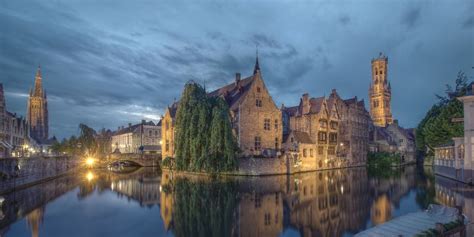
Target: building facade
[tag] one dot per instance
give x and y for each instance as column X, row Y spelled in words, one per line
column 394, row 139
column 456, row 159
column 326, row 133
column 255, row 119
column 380, row 93
column 144, row 137
column 37, row 111
column 168, row 131
column 14, row 132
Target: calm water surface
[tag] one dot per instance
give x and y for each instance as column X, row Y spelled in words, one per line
column 148, row 202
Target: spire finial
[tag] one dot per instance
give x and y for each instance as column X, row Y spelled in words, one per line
column 257, row 66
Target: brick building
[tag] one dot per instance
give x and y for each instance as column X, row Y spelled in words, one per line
column 255, row 119
column 37, row 110
column 167, row 130
column 380, row 92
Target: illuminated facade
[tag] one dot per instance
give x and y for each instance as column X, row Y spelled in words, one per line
column 380, row 93
column 38, row 110
column 143, row 137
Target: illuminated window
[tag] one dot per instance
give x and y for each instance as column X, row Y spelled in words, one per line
column 258, row 143
column 266, row 124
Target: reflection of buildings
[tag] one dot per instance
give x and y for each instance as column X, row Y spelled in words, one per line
column 260, row 214
column 381, row 210
column 34, row 220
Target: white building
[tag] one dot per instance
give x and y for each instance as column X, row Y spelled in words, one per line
column 456, row 160
column 143, row 137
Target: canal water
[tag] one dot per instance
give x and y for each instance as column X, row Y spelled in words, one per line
column 148, row 202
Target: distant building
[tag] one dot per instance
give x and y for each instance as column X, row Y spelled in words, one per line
column 255, row 119
column 37, row 111
column 394, row 139
column 14, row 132
column 380, row 93
column 143, row 137
column 456, row 159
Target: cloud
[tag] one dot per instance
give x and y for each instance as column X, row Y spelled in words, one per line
column 106, row 68
column 411, row 17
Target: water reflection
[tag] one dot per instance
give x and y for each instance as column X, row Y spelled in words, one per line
column 329, row 203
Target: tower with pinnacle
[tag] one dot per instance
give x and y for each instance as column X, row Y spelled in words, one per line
column 37, row 113
column 380, row 92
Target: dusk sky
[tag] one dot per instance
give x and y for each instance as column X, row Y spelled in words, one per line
column 108, row 63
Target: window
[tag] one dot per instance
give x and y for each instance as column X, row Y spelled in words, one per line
column 331, row 150
column 333, row 125
column 156, row 132
column 149, row 133
column 258, row 89
column 320, row 150
column 268, row 218
column 322, row 136
column 277, row 143
column 332, row 137
column 276, row 124
column 266, row 124
column 381, row 72
column 167, row 124
column 311, row 152
column 258, row 143
column 304, row 153
column 258, row 102
column 323, row 123
column 167, row 146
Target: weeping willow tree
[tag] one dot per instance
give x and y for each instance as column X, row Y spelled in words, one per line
column 204, row 208
column 203, row 140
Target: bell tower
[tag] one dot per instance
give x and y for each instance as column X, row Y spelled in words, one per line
column 37, row 113
column 380, row 92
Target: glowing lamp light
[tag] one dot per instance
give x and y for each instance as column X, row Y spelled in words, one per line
column 90, row 161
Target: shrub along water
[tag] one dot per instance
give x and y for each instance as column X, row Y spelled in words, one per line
column 204, row 139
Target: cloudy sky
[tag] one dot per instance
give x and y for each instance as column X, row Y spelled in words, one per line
column 109, row 63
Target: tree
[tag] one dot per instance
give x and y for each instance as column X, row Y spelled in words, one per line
column 437, row 128
column 204, row 139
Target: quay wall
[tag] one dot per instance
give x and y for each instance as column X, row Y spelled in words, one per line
column 17, row 173
column 462, row 175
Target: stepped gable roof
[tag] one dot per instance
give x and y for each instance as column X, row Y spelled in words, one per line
column 302, row 137
column 234, row 92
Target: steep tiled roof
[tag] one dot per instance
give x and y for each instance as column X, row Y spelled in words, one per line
column 234, row 92
column 302, row 137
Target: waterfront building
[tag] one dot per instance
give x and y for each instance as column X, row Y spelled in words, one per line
column 314, row 130
column 255, row 119
column 168, row 131
column 14, row 132
column 456, row 159
column 380, row 92
column 144, row 137
column 394, row 139
column 326, row 133
column 37, row 110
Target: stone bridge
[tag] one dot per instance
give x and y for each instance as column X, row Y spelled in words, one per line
column 136, row 159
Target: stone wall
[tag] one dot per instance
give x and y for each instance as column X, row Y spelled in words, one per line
column 20, row 172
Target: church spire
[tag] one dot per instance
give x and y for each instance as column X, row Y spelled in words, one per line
column 38, row 91
column 257, row 66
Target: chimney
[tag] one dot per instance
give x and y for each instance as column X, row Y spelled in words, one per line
column 118, row 128
column 129, row 124
column 305, row 100
column 237, row 78
column 395, row 121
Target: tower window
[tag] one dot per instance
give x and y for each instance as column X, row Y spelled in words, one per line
column 258, row 89
column 258, row 102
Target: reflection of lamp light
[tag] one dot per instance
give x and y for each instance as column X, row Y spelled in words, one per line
column 89, row 176
column 160, row 188
column 161, row 142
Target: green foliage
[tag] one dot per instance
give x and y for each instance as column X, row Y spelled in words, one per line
column 88, row 143
column 437, row 128
column 382, row 164
column 167, row 162
column 203, row 140
column 204, row 208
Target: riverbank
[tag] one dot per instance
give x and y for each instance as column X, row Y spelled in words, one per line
column 19, row 173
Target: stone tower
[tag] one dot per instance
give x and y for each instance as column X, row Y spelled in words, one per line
column 38, row 110
column 380, row 93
